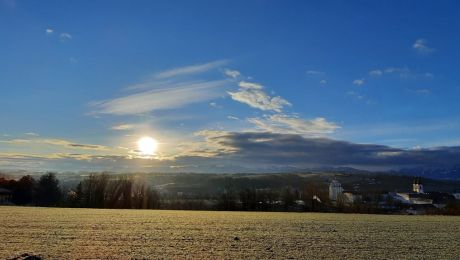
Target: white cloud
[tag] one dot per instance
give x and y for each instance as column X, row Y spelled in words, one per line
column 323, row 81
column 65, row 36
column 214, row 104
column 188, row 70
column 421, row 46
column 49, row 31
column 376, row 72
column 161, row 99
column 252, row 94
column 250, row 85
column 32, row 134
column 233, row 117
column 280, row 123
column 424, row 91
column 123, row 127
column 232, row 73
column 358, row 82
column 406, row 73
column 314, row 73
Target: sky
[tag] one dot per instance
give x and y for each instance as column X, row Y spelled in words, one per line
column 228, row 86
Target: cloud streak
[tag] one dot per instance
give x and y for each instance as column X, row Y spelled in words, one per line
column 55, row 142
column 190, row 70
column 65, row 36
column 161, row 99
column 122, row 127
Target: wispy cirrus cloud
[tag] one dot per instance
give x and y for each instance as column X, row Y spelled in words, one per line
column 376, row 72
column 55, row 142
column 315, row 73
column 122, row 127
column 423, row 91
column 165, row 90
column 189, row 70
column 420, row 45
column 233, row 117
column 161, row 99
column 65, row 36
column 402, row 72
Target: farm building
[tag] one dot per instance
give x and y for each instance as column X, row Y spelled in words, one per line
column 5, row 196
column 351, row 197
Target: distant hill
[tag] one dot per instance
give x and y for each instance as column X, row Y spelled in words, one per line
column 443, row 173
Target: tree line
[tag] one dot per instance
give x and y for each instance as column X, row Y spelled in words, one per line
column 101, row 190
column 94, row 191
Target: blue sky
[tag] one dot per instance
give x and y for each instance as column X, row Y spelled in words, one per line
column 82, row 81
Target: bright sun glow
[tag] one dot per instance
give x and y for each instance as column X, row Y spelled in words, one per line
column 147, row 145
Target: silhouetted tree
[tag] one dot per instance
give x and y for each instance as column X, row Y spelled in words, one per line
column 24, row 190
column 92, row 190
column 48, row 191
column 227, row 200
column 248, row 199
column 288, row 197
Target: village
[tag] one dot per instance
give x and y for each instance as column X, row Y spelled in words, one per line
column 416, row 201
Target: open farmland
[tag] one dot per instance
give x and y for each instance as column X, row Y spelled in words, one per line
column 57, row 233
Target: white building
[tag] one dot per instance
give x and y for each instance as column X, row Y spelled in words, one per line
column 335, row 190
column 417, row 186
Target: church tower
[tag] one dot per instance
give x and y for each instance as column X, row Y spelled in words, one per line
column 417, row 186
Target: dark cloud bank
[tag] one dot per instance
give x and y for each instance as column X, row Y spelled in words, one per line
column 263, row 152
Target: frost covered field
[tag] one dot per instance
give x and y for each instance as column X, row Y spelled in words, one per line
column 95, row 233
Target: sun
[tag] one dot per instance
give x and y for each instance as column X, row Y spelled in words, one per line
column 147, row 145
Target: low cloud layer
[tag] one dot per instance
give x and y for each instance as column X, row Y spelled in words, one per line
column 253, row 152
column 290, row 149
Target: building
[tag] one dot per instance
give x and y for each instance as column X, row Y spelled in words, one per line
column 335, row 190
column 351, row 197
column 417, row 186
column 413, row 198
column 420, row 201
column 5, row 196
column 456, row 195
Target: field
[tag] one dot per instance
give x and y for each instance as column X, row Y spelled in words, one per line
column 56, row 233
